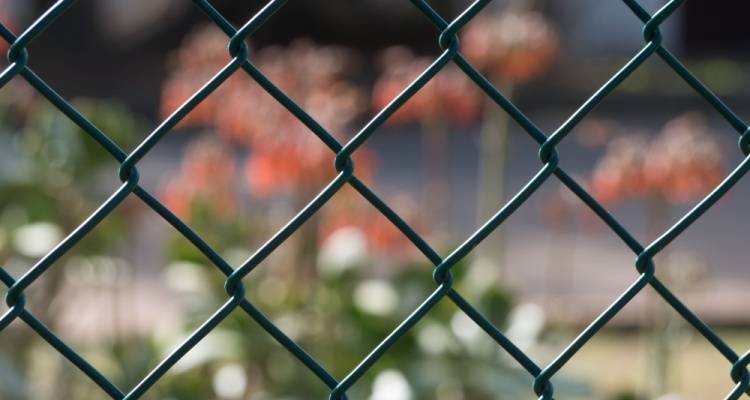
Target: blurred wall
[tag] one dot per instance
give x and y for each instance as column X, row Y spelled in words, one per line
column 595, row 27
column 78, row 53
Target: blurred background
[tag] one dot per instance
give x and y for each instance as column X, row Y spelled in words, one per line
column 240, row 166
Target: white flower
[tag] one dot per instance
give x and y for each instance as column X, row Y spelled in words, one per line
column 292, row 324
column 344, row 249
column 465, row 329
column 391, row 385
column 229, row 381
column 376, row 296
column 482, row 274
column 526, row 323
column 434, row 338
column 186, row 277
column 218, row 345
column 37, row 239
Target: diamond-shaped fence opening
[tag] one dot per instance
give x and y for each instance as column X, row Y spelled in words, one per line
column 235, row 302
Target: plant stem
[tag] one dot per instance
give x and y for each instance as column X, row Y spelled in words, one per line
column 660, row 336
column 493, row 144
column 435, row 150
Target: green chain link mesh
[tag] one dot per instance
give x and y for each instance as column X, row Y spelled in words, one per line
column 449, row 43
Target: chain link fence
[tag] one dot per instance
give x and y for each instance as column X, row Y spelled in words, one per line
column 448, row 40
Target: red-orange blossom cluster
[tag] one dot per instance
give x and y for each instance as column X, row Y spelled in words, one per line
column 681, row 164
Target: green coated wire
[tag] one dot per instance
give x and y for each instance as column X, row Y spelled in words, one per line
column 449, row 43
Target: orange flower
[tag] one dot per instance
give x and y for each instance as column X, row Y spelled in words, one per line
column 208, row 164
column 175, row 93
column 449, row 95
column 348, row 208
column 285, row 155
column 311, row 75
column 682, row 163
column 303, row 166
column 8, row 20
column 177, row 197
column 461, row 100
column 517, row 46
column 207, row 179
